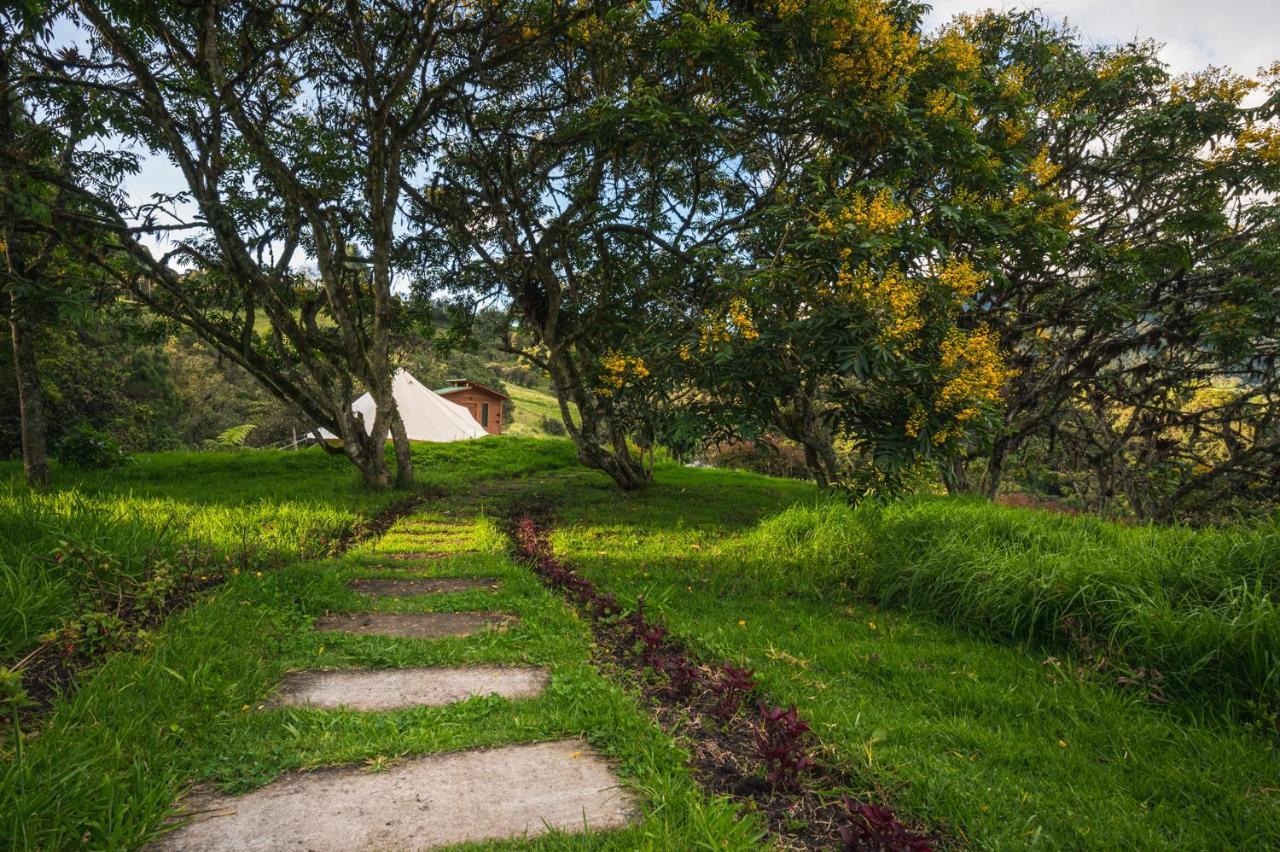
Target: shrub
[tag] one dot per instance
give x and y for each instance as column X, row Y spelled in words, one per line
column 553, row 426
column 84, row 446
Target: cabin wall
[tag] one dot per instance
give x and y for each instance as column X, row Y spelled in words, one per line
column 474, row 401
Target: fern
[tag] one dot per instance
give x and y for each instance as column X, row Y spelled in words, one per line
column 230, row 439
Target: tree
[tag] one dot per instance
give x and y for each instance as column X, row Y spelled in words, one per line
column 290, row 125
column 1133, row 249
column 839, row 314
column 50, row 179
column 576, row 183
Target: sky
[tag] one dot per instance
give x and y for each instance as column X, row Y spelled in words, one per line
column 1239, row 34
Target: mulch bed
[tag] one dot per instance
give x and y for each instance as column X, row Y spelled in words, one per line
column 742, row 746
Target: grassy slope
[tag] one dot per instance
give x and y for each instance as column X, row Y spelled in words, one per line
column 968, row 731
column 532, row 406
column 251, row 506
column 110, row 760
column 977, row 735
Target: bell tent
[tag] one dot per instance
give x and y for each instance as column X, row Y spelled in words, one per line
column 427, row 416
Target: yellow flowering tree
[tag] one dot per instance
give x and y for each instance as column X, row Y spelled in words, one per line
column 1129, row 223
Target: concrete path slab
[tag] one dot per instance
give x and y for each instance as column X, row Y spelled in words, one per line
column 422, row 803
column 422, row 586
column 414, row 625
column 422, row 555
column 394, row 689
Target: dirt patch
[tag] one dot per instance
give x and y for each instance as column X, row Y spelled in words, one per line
column 422, row 803
column 395, row 689
column 414, row 625
column 424, row 586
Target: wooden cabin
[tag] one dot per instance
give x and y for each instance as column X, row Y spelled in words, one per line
column 485, row 404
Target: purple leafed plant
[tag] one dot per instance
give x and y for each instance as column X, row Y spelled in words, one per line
column 731, row 687
column 877, row 828
column 781, row 742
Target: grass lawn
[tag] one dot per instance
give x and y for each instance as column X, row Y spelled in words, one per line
column 958, row 726
column 532, row 407
column 962, row 709
column 250, row 507
column 110, row 760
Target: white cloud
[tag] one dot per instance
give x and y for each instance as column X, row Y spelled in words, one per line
column 1238, row 34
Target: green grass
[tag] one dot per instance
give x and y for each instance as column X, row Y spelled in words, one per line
column 250, row 507
column 914, row 636
column 970, row 732
column 111, row 760
column 532, row 406
column 1199, row 606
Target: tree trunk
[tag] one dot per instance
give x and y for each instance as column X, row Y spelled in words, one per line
column 628, row 472
column 404, row 452
column 35, row 455
column 955, row 475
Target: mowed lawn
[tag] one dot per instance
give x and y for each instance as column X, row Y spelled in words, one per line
column 921, row 639
column 105, row 767
column 248, row 508
column 1003, row 743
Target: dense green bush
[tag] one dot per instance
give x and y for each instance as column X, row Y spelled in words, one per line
column 87, row 447
column 1194, row 609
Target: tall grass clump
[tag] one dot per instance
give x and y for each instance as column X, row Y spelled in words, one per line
column 175, row 505
column 1194, row 610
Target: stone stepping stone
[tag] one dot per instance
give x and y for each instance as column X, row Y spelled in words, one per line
column 420, row 803
column 414, row 625
column 394, row 689
column 425, row 554
column 424, row 586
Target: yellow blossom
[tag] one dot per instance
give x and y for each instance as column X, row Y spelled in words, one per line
column 617, row 369
column 877, row 214
column 977, row 369
column 958, row 275
column 1263, row 142
column 958, row 52
column 940, row 103
column 870, row 52
column 1041, row 170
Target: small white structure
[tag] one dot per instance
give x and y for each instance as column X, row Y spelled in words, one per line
column 427, row 415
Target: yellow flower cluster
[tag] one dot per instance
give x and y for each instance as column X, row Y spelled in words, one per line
column 871, row 53
column 940, row 103
column 979, row 372
column 1013, row 131
column 617, row 369
column 720, row 329
column 1114, row 65
column 788, row 9
column 1013, row 81
column 1212, row 84
column 958, row 52
column 877, row 214
column 1263, row 142
column 959, row 276
column 1041, row 170
column 740, row 316
column 892, row 297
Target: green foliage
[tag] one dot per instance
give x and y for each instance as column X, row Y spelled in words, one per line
column 231, row 439
column 87, row 447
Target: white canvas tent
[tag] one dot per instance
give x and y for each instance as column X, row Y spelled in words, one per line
column 427, row 415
